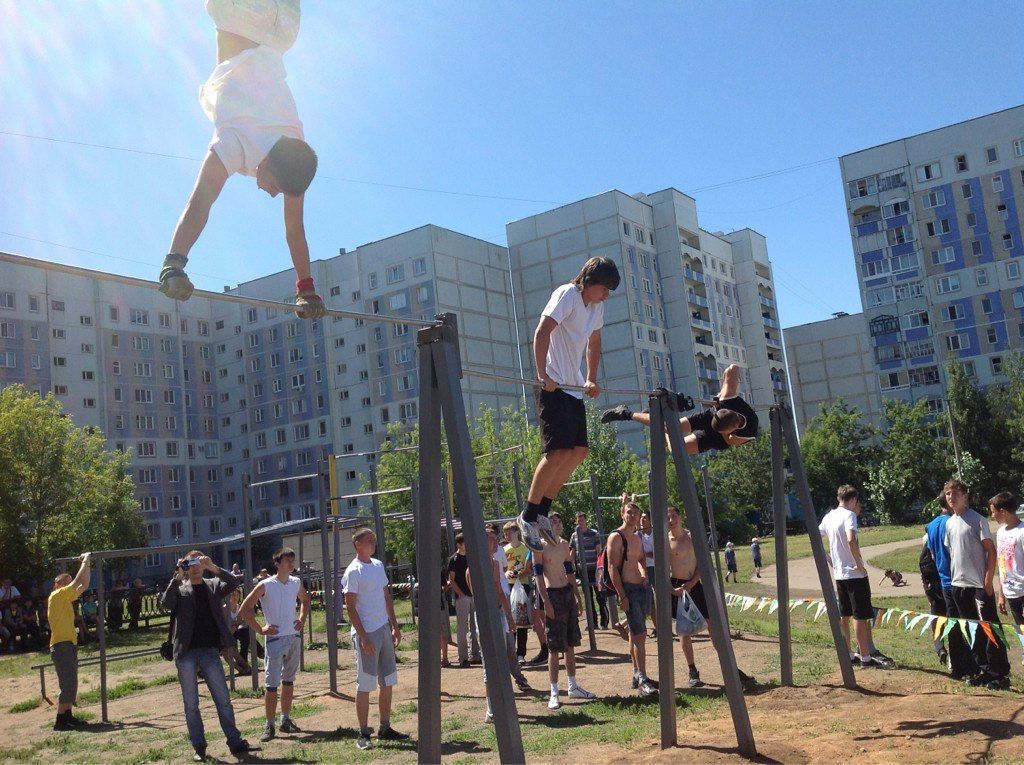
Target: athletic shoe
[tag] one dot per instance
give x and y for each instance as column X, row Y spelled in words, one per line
column 579, row 692
column 881, row 660
column 553, row 702
column 390, row 734
column 528, row 532
column 695, row 681
column 198, row 756
column 62, row 724
column 77, row 722
column 364, row 742
column 488, row 717
column 647, row 688
column 636, row 682
column 999, row 683
column 545, row 530
column 287, row 726
column 523, row 684
column 242, row 747
column 464, row 664
column 174, row 282
column 540, row 658
column 982, row 678
column 268, row 732
column 445, row 664
column 944, row 658
column 620, row 412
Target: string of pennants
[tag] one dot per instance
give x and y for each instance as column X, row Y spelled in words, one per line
column 940, row 626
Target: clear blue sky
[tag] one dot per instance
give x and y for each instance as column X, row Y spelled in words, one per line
column 548, row 102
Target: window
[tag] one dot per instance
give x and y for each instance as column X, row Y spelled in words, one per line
column 143, row 396
column 917, row 348
column 1018, row 147
column 33, row 303
column 899, row 235
column 1007, row 241
column 398, row 301
column 400, row 330
column 896, row 207
column 952, row 312
column 87, row 348
column 60, row 361
column 937, row 227
column 298, row 381
column 991, row 335
column 997, row 183
column 929, row 172
column 991, row 154
column 57, row 305
column 58, row 334
column 945, row 255
column 372, row 279
column 8, row 360
column 997, row 365
column 395, row 274
column 946, row 284
column 1001, row 212
column 138, row 316
column 859, row 188
column 37, row 362
column 914, row 320
column 204, row 327
column 280, row 436
column 88, row 374
column 972, row 219
column 147, row 449
column 1012, row 270
column 882, row 325
column 143, row 369
column 407, row 411
column 981, row 276
column 976, row 248
column 909, row 291
column 966, row 191
column 958, row 342
column 933, row 199
column 884, row 353
column 924, row 376
column 961, row 163
column 880, row 296
column 419, row 267
column 904, row 262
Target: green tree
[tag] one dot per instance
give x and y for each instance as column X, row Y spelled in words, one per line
column 913, row 466
column 837, row 449
column 741, row 487
column 62, row 491
column 981, row 419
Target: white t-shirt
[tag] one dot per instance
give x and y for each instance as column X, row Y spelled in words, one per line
column 834, row 526
column 648, row 542
column 502, row 559
column 965, row 538
column 367, row 580
column 576, row 323
column 278, row 603
column 251, row 106
column 1010, row 554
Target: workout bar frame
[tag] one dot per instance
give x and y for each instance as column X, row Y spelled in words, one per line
column 227, row 297
column 441, row 404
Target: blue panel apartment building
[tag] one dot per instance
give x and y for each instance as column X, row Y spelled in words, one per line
column 936, row 226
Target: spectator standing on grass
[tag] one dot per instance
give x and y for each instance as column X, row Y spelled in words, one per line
column 279, row 597
column 465, row 625
column 936, row 579
column 755, row 556
column 1010, row 555
column 64, row 641
column 731, row 569
column 839, row 527
column 135, row 594
column 200, row 634
column 520, row 566
column 590, row 540
column 375, row 633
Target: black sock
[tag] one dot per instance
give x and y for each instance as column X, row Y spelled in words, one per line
column 530, row 513
column 693, row 667
column 545, row 506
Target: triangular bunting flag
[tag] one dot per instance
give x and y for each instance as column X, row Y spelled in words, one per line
column 774, row 606
column 986, row 627
column 972, row 628
column 941, row 622
column 963, row 628
column 928, row 623
column 914, row 622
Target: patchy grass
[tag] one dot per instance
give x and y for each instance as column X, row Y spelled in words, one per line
column 905, row 560
column 247, row 693
column 126, row 688
column 24, row 706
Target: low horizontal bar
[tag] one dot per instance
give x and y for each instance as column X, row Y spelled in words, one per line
column 283, row 480
column 538, row 384
column 638, row 496
column 376, row 451
column 21, row 260
column 371, row 493
column 499, row 451
column 577, row 483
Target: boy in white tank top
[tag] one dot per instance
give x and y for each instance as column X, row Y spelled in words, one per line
column 278, row 597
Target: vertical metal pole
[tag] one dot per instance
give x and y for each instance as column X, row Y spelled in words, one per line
column 781, row 554
column 517, row 485
column 711, row 523
column 581, row 561
column 428, row 555
column 485, row 599
column 828, row 591
column 302, row 643
column 662, row 584
column 338, row 597
column 956, row 443
column 718, row 623
column 414, row 602
column 447, row 515
column 332, row 623
column 598, row 524
column 378, row 522
column 101, row 635
column 249, row 578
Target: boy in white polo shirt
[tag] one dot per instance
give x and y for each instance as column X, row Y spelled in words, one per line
column 1010, row 555
column 570, row 326
column 368, row 601
column 278, row 597
column 257, row 132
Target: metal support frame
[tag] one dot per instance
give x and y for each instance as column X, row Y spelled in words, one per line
column 828, row 592
column 329, row 581
column 378, row 523
column 441, row 403
column 596, row 500
column 101, row 635
column 781, row 553
column 249, row 578
column 449, row 523
column 718, row 622
column 581, row 561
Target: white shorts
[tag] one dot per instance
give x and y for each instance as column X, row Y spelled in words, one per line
column 282, row 660
column 380, row 669
column 267, row 22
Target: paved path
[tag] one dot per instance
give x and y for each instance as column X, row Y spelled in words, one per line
column 803, row 576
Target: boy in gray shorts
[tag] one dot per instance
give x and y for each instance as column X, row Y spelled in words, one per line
column 375, row 633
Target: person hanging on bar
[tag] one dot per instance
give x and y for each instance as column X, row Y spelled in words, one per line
column 730, row 422
column 279, row 596
column 569, row 328
column 256, row 132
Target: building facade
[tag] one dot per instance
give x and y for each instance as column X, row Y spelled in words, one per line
column 691, row 302
column 936, row 226
column 832, row 359
column 207, row 392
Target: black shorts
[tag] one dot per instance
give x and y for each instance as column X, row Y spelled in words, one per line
column 855, row 598
column 1016, row 609
column 563, row 420
column 708, row 438
column 563, row 631
column 697, row 593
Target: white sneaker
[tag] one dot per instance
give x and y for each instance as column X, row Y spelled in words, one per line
column 553, row 702
column 579, row 692
column 544, row 529
column 528, row 531
column 488, row 717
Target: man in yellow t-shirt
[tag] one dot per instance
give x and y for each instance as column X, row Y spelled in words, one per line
column 520, row 567
column 64, row 640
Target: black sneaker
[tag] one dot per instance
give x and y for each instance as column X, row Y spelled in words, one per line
column 77, row 722
column 695, row 681
column 540, row 658
column 620, row 412
column 881, row 660
column 390, row 734
column 999, row 683
column 243, row 747
column 268, row 732
column 363, row 741
column 287, row 726
column 62, row 724
column 199, row 755
column 982, row 678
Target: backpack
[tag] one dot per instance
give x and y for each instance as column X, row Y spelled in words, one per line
column 929, row 571
column 604, row 577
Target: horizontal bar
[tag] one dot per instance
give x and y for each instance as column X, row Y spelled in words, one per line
column 375, row 451
column 538, row 384
column 638, row 496
column 499, row 451
column 371, row 493
column 577, row 483
column 283, row 480
column 131, row 281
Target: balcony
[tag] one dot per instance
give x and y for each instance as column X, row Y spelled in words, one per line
column 767, row 302
column 703, row 340
column 778, row 385
column 697, row 276
column 696, row 299
column 771, row 342
column 770, row 322
column 707, row 373
column 700, row 323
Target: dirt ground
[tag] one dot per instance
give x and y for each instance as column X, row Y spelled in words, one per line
column 898, row 715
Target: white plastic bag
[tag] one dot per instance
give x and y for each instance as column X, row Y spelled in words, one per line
column 520, row 603
column 689, row 619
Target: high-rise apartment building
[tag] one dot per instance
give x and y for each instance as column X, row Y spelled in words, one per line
column 936, row 226
column 691, row 302
column 206, row 392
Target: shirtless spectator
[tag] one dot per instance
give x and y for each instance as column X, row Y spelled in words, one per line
column 685, row 578
column 557, row 588
column 628, row 574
